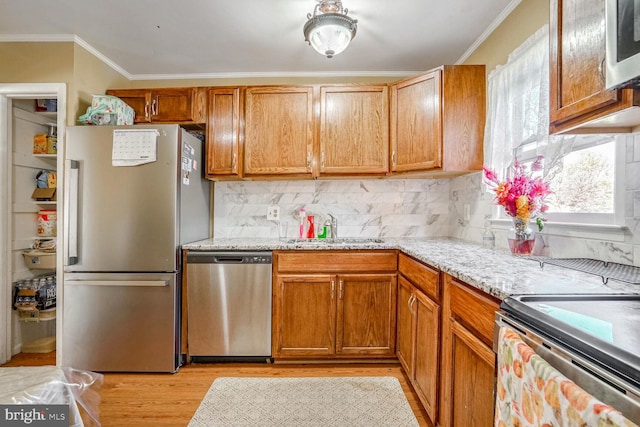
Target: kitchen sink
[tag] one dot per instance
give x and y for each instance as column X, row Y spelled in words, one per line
column 338, row 241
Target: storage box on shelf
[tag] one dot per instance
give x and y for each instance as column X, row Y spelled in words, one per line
column 35, row 302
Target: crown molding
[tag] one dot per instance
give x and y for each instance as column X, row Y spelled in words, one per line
column 490, row 29
column 43, row 38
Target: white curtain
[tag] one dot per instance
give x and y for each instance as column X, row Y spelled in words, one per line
column 518, row 111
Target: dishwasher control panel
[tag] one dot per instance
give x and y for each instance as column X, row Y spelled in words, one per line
column 194, row 257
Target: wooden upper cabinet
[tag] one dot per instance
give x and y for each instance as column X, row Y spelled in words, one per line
column 416, row 120
column 437, row 120
column 354, row 130
column 165, row 105
column 223, row 132
column 278, row 130
column 578, row 97
column 138, row 99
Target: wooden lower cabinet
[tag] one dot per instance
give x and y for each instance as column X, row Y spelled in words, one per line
column 418, row 330
column 467, row 362
column 346, row 315
column 305, row 309
column 366, row 315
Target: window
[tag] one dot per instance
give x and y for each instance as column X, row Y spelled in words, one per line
column 587, row 183
column 586, row 172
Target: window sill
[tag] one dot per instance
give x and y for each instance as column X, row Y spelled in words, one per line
column 570, row 229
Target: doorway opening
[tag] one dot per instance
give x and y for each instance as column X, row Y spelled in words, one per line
column 32, row 123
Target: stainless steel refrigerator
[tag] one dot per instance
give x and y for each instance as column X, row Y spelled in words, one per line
column 132, row 196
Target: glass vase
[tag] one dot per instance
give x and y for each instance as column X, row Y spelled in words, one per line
column 521, row 239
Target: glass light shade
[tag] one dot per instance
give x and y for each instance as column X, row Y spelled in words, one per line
column 329, row 33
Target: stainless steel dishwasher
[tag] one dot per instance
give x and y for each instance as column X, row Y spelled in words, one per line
column 229, row 306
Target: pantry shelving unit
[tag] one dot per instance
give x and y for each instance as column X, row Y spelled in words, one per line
column 34, row 329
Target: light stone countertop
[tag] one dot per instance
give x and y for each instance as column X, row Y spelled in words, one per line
column 494, row 271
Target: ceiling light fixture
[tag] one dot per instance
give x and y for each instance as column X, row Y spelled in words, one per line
column 329, row 30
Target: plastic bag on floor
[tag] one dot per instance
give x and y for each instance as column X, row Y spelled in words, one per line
column 52, row 385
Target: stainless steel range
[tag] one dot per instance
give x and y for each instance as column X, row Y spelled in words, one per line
column 593, row 339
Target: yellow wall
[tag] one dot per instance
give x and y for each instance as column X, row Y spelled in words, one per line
column 27, row 62
column 59, row 62
column 523, row 21
column 91, row 77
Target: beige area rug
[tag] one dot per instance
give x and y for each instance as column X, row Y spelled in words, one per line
column 298, row 402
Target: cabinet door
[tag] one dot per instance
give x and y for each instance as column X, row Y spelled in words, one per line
column 354, row 129
column 366, row 315
column 405, row 326
column 426, row 366
column 173, row 105
column 467, row 359
column 223, row 132
column 577, row 55
column 139, row 100
column 304, row 313
column 278, row 130
column 416, row 123
column 472, row 379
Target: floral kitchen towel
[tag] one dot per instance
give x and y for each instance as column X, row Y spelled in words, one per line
column 530, row 392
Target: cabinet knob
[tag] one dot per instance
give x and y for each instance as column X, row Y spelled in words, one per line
column 333, row 288
column 234, row 162
column 393, row 158
column 322, row 161
column 146, row 110
column 341, row 289
column 154, row 108
column 309, row 161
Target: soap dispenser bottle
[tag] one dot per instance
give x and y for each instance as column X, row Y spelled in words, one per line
column 311, row 232
column 488, row 237
column 302, row 213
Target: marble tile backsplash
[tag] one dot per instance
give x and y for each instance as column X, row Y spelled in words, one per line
column 395, row 208
column 364, row 208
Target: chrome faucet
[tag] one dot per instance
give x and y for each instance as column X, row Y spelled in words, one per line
column 334, row 227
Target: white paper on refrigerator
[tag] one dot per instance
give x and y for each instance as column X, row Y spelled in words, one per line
column 133, row 147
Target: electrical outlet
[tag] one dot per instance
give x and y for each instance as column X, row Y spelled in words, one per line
column 273, row 213
column 467, row 212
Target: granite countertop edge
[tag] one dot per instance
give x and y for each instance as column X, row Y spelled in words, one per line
column 494, row 271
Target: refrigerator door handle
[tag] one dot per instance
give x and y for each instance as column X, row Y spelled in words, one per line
column 125, row 283
column 72, row 171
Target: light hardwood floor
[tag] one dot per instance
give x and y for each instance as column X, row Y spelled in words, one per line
column 171, row 399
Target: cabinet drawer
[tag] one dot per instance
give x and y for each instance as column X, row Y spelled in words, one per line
column 422, row 276
column 473, row 308
column 371, row 261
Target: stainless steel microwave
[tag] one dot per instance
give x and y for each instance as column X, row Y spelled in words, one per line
column 622, row 43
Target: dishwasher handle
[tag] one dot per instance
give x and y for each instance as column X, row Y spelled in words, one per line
column 228, row 259
column 195, row 257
